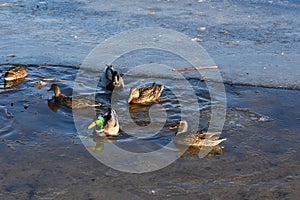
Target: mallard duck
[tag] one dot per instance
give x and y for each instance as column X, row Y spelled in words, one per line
column 147, row 94
column 14, row 76
column 107, row 125
column 111, row 78
column 76, row 103
column 198, row 139
column 15, row 73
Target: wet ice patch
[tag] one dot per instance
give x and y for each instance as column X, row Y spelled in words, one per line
column 243, row 117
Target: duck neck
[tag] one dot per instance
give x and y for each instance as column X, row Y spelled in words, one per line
column 57, row 92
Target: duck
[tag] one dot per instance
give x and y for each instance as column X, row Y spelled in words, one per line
column 197, row 139
column 145, row 95
column 15, row 73
column 14, row 76
column 76, row 103
column 107, row 125
column 111, row 78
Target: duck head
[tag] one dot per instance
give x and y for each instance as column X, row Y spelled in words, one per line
column 99, row 122
column 134, row 94
column 116, row 79
column 160, row 88
column 54, row 87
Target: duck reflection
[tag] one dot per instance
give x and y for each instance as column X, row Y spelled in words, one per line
column 99, row 142
column 53, row 105
column 140, row 114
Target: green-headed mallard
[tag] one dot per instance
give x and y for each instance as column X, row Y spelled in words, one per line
column 111, row 78
column 147, row 94
column 107, row 125
column 75, row 103
column 198, row 139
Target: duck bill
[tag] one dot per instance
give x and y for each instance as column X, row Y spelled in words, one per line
column 116, row 80
column 130, row 99
column 93, row 124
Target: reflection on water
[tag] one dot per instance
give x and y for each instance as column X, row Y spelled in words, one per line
column 215, row 151
column 53, row 105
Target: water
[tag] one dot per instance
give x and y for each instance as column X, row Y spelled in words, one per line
column 43, row 147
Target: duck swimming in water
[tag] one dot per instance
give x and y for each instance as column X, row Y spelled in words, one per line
column 14, row 76
column 197, row 139
column 15, row 73
column 145, row 95
column 75, row 103
column 111, row 78
column 107, row 125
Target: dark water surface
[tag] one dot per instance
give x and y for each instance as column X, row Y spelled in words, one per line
column 42, row 156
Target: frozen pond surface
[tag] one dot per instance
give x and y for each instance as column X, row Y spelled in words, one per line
column 253, row 42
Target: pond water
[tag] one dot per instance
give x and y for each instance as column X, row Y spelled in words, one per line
column 43, row 156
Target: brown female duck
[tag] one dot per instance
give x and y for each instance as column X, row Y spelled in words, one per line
column 145, row 95
column 75, row 103
column 197, row 139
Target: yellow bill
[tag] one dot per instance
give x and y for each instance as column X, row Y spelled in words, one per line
column 93, row 124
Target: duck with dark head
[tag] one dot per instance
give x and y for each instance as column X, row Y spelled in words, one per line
column 111, row 78
column 107, row 124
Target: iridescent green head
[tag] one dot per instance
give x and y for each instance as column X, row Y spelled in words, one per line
column 99, row 122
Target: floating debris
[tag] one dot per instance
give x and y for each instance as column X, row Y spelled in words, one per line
column 201, row 29
column 25, row 106
column 41, row 84
column 224, row 32
column 5, row 5
column 11, row 55
column 196, row 39
column 195, row 68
